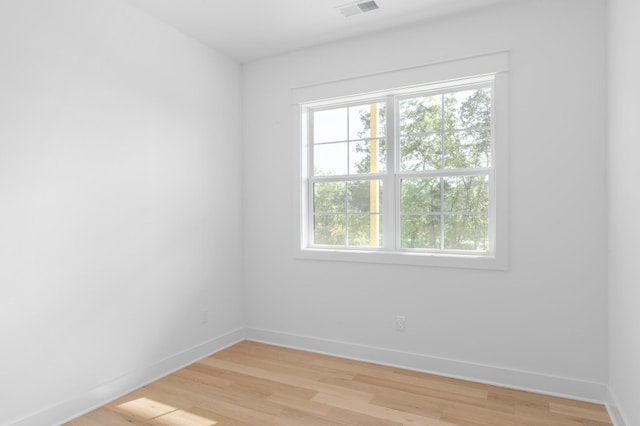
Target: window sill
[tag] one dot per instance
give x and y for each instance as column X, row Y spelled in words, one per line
column 467, row 261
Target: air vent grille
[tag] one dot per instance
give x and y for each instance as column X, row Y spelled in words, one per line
column 368, row 6
column 357, row 8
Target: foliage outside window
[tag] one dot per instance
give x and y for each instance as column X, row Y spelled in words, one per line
column 411, row 171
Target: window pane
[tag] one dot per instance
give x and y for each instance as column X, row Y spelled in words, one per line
column 420, row 195
column 330, row 159
column 420, row 115
column 468, row 194
column 365, row 230
column 364, row 196
column 467, row 149
column 330, row 229
column 421, row 152
column 466, row 232
column 420, row 231
column 330, row 125
column 467, row 109
column 329, row 197
column 360, row 121
column 442, row 163
column 360, row 156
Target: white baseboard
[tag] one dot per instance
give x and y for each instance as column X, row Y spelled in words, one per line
column 107, row 392
column 515, row 379
column 615, row 411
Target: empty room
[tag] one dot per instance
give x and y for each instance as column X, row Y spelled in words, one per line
column 319, row 212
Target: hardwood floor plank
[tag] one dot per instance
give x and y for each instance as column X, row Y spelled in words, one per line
column 302, row 371
column 293, row 417
column 217, row 416
column 300, row 404
column 182, row 418
column 227, row 406
column 201, row 374
column 238, row 397
column 103, row 417
column 584, row 410
column 257, row 384
column 445, row 393
column 231, row 377
column 439, row 383
column 385, row 413
column 286, row 378
column 351, row 418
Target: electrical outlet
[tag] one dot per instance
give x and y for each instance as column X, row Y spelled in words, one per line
column 401, row 323
column 204, row 317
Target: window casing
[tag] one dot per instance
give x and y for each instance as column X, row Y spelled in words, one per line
column 382, row 182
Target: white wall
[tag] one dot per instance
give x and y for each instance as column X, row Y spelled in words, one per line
column 547, row 314
column 121, row 186
column 624, row 201
column 119, row 197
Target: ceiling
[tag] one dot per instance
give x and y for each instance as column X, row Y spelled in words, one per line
column 246, row 30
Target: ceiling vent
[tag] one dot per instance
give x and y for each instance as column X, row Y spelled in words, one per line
column 356, row 8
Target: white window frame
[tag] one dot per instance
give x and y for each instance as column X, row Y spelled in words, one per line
column 434, row 77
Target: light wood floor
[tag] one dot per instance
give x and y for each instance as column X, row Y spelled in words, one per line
column 256, row 384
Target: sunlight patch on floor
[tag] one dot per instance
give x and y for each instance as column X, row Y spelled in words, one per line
column 161, row 414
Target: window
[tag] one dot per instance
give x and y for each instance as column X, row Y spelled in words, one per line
column 406, row 176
